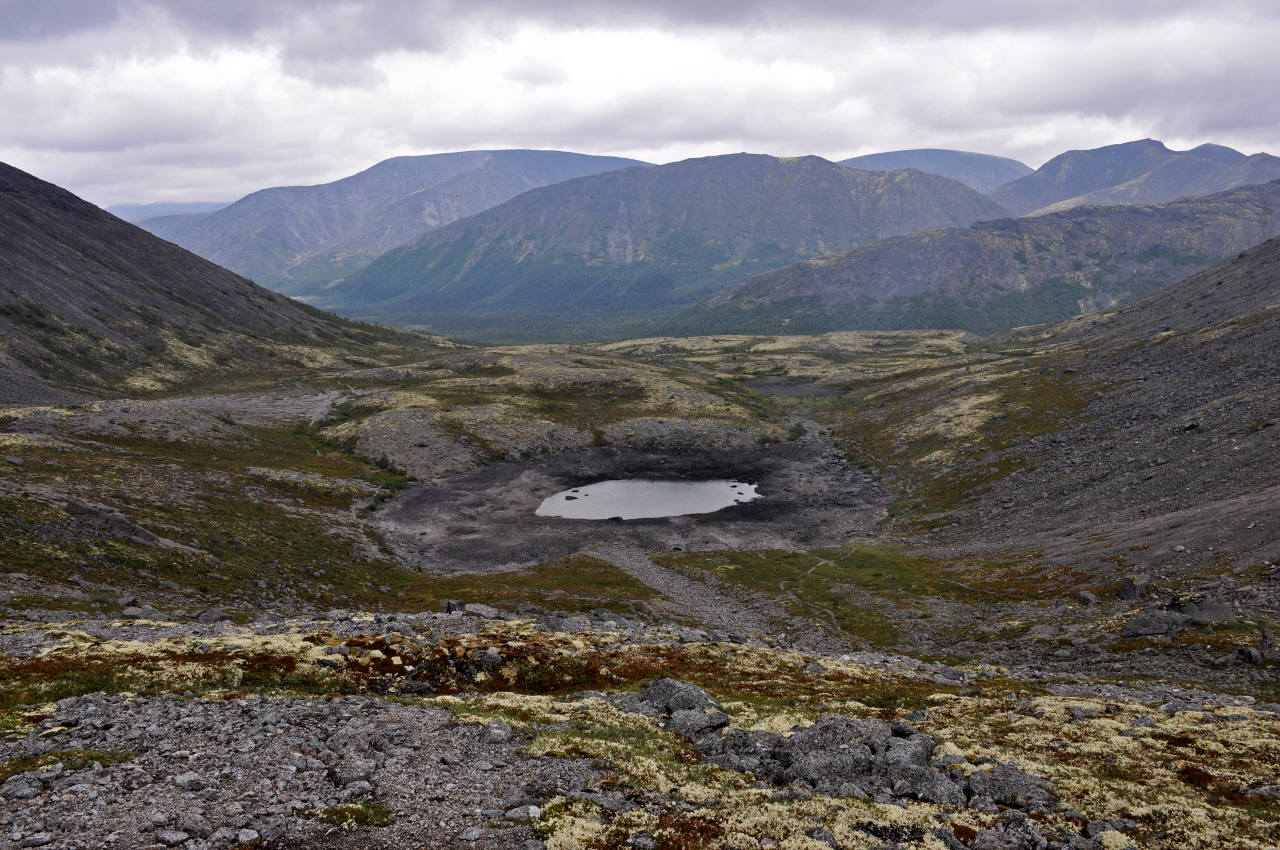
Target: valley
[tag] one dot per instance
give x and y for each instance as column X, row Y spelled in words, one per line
column 272, row 578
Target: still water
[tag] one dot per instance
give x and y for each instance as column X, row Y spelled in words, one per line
column 645, row 499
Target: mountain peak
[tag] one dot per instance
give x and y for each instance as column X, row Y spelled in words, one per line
column 290, row 237
column 979, row 171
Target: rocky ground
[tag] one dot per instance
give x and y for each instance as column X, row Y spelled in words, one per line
column 485, row 520
column 224, row 611
column 480, row 728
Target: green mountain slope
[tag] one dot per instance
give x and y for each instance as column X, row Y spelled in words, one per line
column 1131, row 173
column 627, row 242
column 296, row 238
column 90, row 302
column 997, row 274
column 979, row 171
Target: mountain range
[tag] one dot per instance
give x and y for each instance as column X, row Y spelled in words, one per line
column 1141, row 172
column 979, row 171
column 135, row 213
column 998, row 274
column 289, row 238
column 90, row 302
column 634, row 240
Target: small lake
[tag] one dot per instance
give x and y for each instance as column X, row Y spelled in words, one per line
column 646, row 499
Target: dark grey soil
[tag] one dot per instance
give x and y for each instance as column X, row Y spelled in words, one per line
column 793, row 387
column 484, row 520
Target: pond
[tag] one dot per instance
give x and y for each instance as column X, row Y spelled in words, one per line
column 646, row 499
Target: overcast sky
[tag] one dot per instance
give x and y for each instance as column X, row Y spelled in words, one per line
column 181, row 100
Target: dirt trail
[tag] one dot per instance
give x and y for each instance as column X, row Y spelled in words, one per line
column 718, row 607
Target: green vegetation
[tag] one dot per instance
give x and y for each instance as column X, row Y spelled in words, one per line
column 355, row 814
column 71, row 760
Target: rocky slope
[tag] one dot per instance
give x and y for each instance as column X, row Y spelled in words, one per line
column 997, row 274
column 1143, row 172
column 978, row 171
column 90, row 302
column 294, row 238
column 628, row 242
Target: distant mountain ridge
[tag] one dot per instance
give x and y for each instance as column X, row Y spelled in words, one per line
column 1141, row 172
column 633, row 240
column 135, row 213
column 294, row 238
column 997, row 274
column 979, row 171
column 90, row 302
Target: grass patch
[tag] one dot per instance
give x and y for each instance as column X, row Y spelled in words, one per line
column 71, row 760
column 354, row 814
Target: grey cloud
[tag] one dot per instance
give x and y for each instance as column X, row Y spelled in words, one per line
column 368, row 25
column 897, row 74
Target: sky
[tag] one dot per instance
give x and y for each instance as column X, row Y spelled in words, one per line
column 137, row 101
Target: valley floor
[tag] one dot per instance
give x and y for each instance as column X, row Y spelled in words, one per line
column 224, row 612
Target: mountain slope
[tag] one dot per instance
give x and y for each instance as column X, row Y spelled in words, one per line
column 1134, row 172
column 291, row 238
column 979, row 171
column 1181, row 176
column 998, row 274
column 628, row 241
column 88, row 301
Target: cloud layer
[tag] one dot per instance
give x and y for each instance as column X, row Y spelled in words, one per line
column 142, row 100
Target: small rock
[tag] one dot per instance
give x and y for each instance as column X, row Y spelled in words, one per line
column 1249, row 655
column 212, row 615
column 1154, row 622
column 496, row 732
column 195, row 824
column 171, row 837
column 190, row 782
column 471, row 833
column 455, row 606
column 524, row 813
column 1084, row 597
column 1134, row 587
column 823, row 835
column 642, row 841
column 17, row 461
